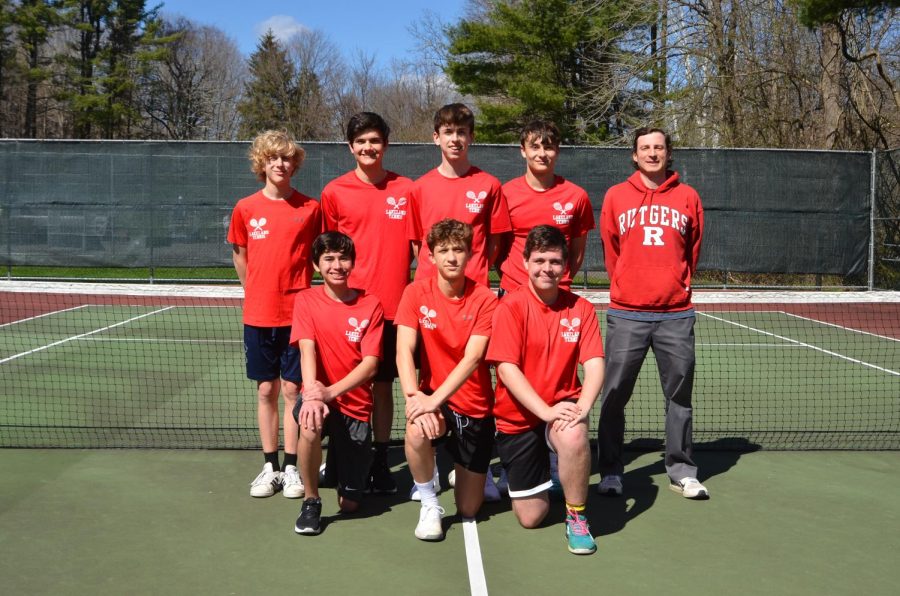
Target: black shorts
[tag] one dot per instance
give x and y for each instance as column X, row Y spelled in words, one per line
column 349, row 453
column 270, row 355
column 470, row 441
column 387, row 368
column 526, row 458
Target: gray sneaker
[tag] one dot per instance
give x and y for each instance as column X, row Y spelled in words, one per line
column 610, row 486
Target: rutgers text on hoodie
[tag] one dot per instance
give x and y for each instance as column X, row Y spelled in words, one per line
column 651, row 243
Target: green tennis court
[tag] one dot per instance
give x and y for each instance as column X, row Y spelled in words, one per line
column 180, row 522
column 157, row 370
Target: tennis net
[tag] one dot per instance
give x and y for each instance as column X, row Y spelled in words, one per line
column 110, row 366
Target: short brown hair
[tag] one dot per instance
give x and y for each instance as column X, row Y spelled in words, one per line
column 449, row 231
column 272, row 143
column 544, row 238
column 545, row 131
column 457, row 114
column 648, row 130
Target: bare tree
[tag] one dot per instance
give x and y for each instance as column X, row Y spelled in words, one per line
column 192, row 93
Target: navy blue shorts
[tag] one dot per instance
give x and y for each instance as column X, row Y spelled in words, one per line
column 270, row 355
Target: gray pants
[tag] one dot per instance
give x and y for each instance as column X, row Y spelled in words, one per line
column 627, row 343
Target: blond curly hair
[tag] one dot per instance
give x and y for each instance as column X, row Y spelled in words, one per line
column 273, row 143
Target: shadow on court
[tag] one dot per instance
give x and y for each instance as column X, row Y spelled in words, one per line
column 608, row 515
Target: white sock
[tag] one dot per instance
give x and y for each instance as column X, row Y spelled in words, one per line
column 427, row 494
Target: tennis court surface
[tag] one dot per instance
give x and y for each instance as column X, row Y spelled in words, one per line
column 143, row 388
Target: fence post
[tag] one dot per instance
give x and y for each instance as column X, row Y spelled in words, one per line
column 872, row 196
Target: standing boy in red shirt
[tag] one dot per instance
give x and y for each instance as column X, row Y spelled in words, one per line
column 271, row 232
column 452, row 315
column 338, row 331
column 543, row 197
column 458, row 190
column 651, row 227
column 540, row 335
column 371, row 205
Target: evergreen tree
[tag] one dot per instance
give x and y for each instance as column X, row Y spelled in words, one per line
column 271, row 97
column 35, row 20
column 115, row 41
column 535, row 58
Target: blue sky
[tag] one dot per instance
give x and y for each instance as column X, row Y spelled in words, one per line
column 378, row 28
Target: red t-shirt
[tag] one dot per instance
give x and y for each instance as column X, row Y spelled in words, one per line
column 547, row 343
column 376, row 217
column 345, row 333
column 445, row 326
column 475, row 199
column 278, row 235
column 565, row 206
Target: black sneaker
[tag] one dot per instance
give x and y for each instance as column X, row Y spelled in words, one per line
column 310, row 520
column 380, row 480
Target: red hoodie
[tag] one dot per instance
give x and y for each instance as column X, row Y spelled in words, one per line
column 651, row 243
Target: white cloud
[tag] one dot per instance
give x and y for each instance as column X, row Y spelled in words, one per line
column 284, row 27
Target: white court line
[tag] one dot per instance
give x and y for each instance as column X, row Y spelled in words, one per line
column 805, row 345
column 80, row 335
column 745, row 345
column 477, row 582
column 46, row 314
column 165, row 341
column 842, row 327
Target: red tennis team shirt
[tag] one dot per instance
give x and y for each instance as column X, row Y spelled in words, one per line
column 565, row 206
column 547, row 343
column 278, row 235
column 445, row 327
column 475, row 199
column 376, row 217
column 345, row 333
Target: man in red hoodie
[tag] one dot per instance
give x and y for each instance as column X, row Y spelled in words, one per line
column 651, row 226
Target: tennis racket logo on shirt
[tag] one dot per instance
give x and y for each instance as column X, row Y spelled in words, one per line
column 563, row 215
column 476, row 201
column 395, row 208
column 355, row 334
column 258, row 233
column 570, row 335
column 428, row 315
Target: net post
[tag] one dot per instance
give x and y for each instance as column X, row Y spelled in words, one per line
column 872, row 196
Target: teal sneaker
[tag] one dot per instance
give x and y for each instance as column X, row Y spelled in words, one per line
column 578, row 533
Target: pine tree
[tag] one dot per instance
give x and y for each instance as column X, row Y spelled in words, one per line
column 271, row 99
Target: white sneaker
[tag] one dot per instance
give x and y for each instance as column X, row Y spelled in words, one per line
column 267, row 483
column 610, row 485
column 292, row 486
column 429, row 526
column 414, row 492
column 491, row 492
column 690, row 488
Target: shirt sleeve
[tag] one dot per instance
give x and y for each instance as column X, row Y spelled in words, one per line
column 302, row 326
column 591, row 343
column 406, row 310
column 414, row 217
column 506, row 337
column 237, row 228
column 609, row 234
column 371, row 341
column 500, row 221
column 584, row 216
column 484, row 318
column 329, row 210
